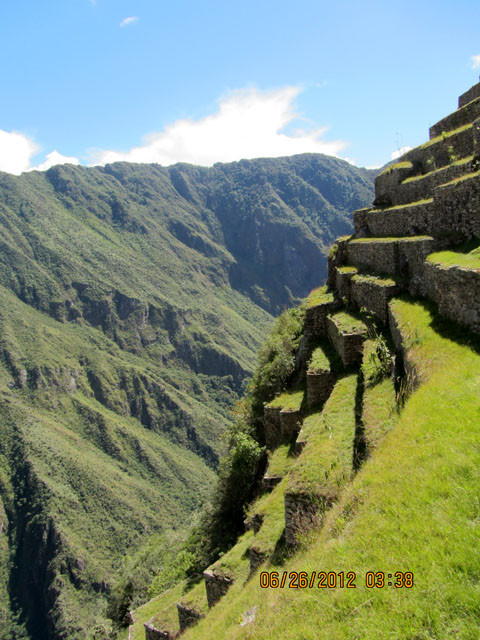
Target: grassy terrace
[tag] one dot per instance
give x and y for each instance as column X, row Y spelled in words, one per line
column 406, row 164
column 382, row 281
column 196, row 598
column 412, row 507
column 280, row 461
column 347, row 323
column 379, row 408
column 326, row 462
column 467, row 176
column 417, row 203
column 470, row 260
column 319, row 296
column 457, row 163
column 271, row 506
column 347, row 269
column 319, row 361
column 290, row 400
column 445, row 136
column 162, row 608
column 235, row 563
column 391, row 238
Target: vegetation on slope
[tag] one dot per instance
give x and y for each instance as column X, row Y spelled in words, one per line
column 133, row 299
column 412, row 507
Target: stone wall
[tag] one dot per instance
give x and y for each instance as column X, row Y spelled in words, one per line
column 216, row 586
column 315, row 317
column 349, row 346
column 456, row 291
column 439, row 154
column 187, row 616
column 290, row 422
column 257, row 558
column 319, row 387
column 374, row 296
column 151, row 633
column 302, row 511
column 273, row 429
column 471, row 94
column 381, row 257
column 270, row 482
column 463, row 115
column 459, row 202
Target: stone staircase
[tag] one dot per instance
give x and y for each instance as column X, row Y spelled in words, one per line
column 414, row 239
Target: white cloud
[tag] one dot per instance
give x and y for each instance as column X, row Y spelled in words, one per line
column 475, row 61
column 16, row 150
column 399, row 152
column 247, row 124
column 54, row 158
column 130, row 20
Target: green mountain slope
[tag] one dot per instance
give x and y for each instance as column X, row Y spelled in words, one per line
column 133, row 299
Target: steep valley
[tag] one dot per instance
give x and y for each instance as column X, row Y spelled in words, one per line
column 133, row 301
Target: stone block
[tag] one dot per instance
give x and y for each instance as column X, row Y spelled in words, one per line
column 187, row 616
column 463, row 115
column 290, row 422
column 257, row 558
column 373, row 294
column 468, row 96
column 151, row 633
column 216, row 586
column 270, row 482
column 319, row 387
column 273, row 429
column 315, row 318
column 302, row 511
column 349, row 345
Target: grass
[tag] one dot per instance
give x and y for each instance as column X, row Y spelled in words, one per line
column 319, row 296
column 379, row 407
column 382, row 281
column 289, row 401
column 326, row 461
column 467, row 176
column 235, row 563
column 445, row 135
column 271, row 506
column 457, row 163
column 348, row 323
column 319, row 361
column 412, row 507
column 406, row 164
column 280, row 461
column 391, row 239
column 347, row 269
column 162, row 611
column 417, row 203
column 469, row 260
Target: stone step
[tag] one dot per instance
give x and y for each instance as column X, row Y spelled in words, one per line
column 459, row 202
column 216, row 585
column 452, row 281
column 325, row 464
column 188, row 615
column 402, row 256
column 373, row 293
column 343, row 277
column 319, row 304
column 468, row 96
column 463, row 115
column 441, row 151
column 422, row 187
column 401, row 220
column 320, row 382
column 347, row 334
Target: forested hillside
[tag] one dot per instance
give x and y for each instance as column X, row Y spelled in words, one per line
column 133, row 299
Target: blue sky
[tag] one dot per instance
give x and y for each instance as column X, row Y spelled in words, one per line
column 204, row 81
